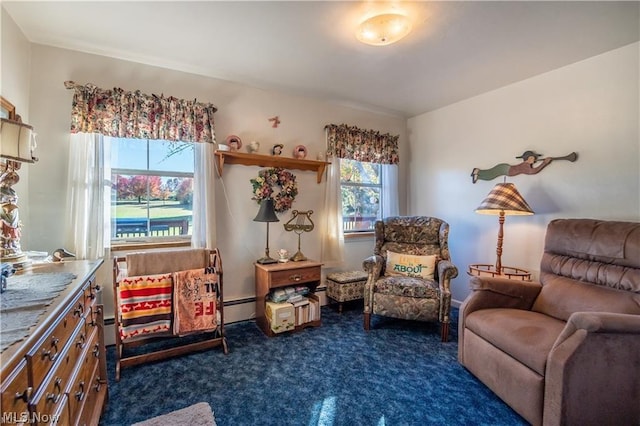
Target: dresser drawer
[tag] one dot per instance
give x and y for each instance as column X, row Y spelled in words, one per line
column 44, row 354
column 80, row 386
column 47, row 397
column 294, row 276
column 96, row 384
column 91, row 293
column 60, row 417
column 92, row 317
column 16, row 391
column 96, row 392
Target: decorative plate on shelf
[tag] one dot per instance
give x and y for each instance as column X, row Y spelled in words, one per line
column 234, row 142
column 300, row 152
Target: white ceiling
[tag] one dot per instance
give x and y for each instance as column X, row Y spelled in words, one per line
column 456, row 50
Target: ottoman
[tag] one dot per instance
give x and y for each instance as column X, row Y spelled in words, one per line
column 346, row 286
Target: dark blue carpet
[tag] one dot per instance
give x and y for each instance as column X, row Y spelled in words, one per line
column 399, row 373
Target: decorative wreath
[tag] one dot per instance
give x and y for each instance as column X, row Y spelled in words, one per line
column 267, row 179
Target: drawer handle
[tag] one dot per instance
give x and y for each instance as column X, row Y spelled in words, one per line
column 296, row 277
column 97, row 311
column 98, row 384
column 55, row 397
column 47, row 353
column 80, row 393
column 24, row 395
column 96, row 350
column 94, row 290
column 81, row 341
column 77, row 312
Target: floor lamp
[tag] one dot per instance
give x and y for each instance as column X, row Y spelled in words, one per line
column 267, row 213
column 503, row 200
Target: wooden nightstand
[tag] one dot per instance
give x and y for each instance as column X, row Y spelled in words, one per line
column 280, row 275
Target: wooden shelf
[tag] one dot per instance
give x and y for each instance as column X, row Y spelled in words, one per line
column 233, row 157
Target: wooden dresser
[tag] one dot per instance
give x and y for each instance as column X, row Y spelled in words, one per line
column 57, row 375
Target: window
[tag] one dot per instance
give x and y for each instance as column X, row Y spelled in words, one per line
column 151, row 188
column 361, row 187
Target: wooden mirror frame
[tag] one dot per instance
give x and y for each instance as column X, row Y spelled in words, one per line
column 8, row 110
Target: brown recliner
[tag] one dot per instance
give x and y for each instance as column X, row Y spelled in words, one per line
column 564, row 350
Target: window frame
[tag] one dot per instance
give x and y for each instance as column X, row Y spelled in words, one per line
column 349, row 233
column 147, row 240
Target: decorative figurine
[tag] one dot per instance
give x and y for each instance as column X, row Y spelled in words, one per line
column 277, row 149
column 234, row 142
column 283, row 256
column 253, row 147
column 300, row 152
column 7, row 271
column 275, row 120
column 61, row 254
column 529, row 158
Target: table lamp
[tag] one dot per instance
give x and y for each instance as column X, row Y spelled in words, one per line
column 299, row 226
column 17, row 142
column 504, row 199
column 267, row 213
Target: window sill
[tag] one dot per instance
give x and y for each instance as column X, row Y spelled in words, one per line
column 359, row 235
column 134, row 245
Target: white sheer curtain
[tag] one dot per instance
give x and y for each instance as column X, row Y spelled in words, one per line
column 204, row 212
column 390, row 203
column 332, row 244
column 87, row 223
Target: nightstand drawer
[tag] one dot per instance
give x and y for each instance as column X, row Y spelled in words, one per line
column 295, row 276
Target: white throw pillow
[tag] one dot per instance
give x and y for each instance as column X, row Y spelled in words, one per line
column 408, row 265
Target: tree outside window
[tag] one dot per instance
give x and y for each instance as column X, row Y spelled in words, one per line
column 152, row 189
column 361, row 187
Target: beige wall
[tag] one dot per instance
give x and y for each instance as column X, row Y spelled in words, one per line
column 590, row 107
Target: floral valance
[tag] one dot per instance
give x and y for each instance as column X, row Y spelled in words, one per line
column 117, row 113
column 357, row 144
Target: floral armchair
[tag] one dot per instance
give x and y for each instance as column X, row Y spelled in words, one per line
column 406, row 295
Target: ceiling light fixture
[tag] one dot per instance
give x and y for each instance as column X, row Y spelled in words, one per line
column 384, row 29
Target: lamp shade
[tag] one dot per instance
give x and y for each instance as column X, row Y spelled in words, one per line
column 267, row 212
column 504, row 197
column 16, row 141
column 384, row 29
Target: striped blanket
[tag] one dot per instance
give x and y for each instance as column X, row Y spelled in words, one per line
column 145, row 305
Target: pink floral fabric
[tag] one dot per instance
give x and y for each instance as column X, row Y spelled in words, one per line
column 370, row 146
column 117, row 113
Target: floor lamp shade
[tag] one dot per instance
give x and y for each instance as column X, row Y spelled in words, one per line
column 504, row 199
column 267, row 213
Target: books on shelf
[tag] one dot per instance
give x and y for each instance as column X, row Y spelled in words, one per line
column 285, row 315
column 307, row 310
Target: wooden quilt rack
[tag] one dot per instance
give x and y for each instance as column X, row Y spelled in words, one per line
column 163, row 262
